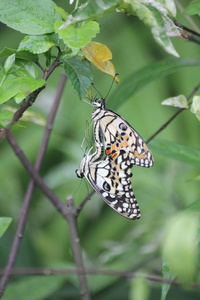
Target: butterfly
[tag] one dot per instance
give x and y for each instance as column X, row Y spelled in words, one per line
column 110, row 175
column 112, row 182
column 116, row 134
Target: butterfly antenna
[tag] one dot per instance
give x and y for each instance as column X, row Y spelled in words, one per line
column 111, row 85
column 96, row 90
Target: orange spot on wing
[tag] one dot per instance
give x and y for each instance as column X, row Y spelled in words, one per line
column 114, row 155
column 108, row 151
column 136, row 154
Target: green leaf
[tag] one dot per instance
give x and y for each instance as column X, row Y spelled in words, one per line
column 9, row 63
column 19, row 54
column 4, row 223
column 139, row 79
column 168, row 274
column 5, row 117
column 176, row 151
column 76, row 37
column 19, row 87
column 80, row 75
column 179, row 248
column 153, row 18
column 26, row 68
column 30, row 17
column 192, row 9
column 34, row 288
column 93, row 9
column 178, row 101
column 62, row 13
column 37, row 44
column 27, row 86
column 195, row 107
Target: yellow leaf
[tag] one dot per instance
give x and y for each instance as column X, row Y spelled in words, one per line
column 100, row 56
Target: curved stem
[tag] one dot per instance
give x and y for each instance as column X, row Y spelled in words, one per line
column 23, row 216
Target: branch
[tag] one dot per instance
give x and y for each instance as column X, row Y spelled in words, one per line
column 179, row 110
column 126, row 274
column 68, row 212
column 74, row 237
column 23, row 216
column 180, row 7
column 35, row 176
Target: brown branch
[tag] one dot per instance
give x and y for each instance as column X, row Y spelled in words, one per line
column 179, row 110
column 77, row 254
column 68, row 212
column 126, row 274
column 190, row 20
column 23, row 216
column 60, row 207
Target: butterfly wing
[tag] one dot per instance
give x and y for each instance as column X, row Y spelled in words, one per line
column 112, row 183
column 119, row 135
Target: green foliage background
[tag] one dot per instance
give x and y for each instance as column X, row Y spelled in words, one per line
column 107, row 239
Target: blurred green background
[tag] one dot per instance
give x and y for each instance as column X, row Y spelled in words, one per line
column 107, row 239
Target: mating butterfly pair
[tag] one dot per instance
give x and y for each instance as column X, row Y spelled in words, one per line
column 110, row 175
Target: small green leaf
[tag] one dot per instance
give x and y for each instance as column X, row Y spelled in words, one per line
column 27, row 86
column 153, row 18
column 80, row 75
column 19, row 87
column 195, row 108
column 19, row 54
column 62, row 13
column 37, row 44
column 5, row 117
column 9, row 63
column 168, row 274
column 179, row 248
column 76, row 37
column 177, row 151
column 90, row 10
column 30, row 17
column 139, row 79
column 192, row 9
column 4, row 223
column 178, row 101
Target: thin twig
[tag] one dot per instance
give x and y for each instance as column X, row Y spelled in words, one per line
column 68, row 212
column 180, row 7
column 126, row 274
column 179, row 110
column 60, row 207
column 80, row 207
column 74, row 237
column 187, row 29
column 23, row 216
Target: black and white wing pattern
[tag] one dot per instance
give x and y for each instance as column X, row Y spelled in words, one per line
column 111, row 180
column 117, row 134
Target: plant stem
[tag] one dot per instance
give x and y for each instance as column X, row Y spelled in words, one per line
column 179, row 110
column 74, row 237
column 23, row 216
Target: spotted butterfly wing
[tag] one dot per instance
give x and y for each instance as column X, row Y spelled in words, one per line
column 117, row 134
column 111, row 180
